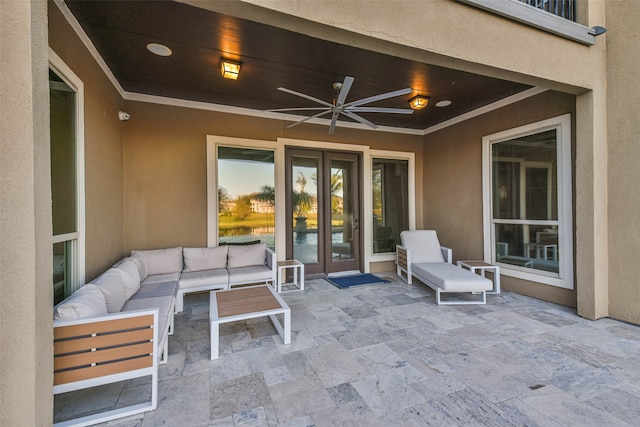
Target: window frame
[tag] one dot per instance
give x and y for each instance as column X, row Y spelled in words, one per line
column 212, row 144
column 368, row 208
column 565, row 277
column 77, row 239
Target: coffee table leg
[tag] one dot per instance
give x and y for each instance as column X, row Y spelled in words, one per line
column 215, row 340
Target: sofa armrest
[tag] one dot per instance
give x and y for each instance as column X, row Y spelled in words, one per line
column 103, row 347
column 106, row 349
column 403, row 262
column 272, row 263
column 447, row 253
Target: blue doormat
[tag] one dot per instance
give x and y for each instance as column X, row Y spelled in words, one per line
column 355, row 280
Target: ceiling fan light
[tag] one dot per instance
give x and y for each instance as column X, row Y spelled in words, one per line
column 418, row 102
column 229, row 69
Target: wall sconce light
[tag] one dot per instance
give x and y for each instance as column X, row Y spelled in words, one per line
column 229, row 69
column 418, row 102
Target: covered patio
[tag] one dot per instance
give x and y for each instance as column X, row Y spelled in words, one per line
column 381, row 355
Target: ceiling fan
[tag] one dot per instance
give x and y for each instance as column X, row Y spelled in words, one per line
column 349, row 109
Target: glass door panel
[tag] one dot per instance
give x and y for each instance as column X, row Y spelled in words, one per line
column 343, row 212
column 304, row 200
column 323, row 230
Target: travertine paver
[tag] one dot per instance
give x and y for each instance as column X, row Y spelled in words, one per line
column 386, row 354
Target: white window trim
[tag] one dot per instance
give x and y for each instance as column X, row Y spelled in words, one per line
column 564, row 279
column 368, row 199
column 70, row 78
column 213, row 142
column 279, row 147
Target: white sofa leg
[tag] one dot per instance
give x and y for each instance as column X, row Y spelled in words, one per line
column 180, row 302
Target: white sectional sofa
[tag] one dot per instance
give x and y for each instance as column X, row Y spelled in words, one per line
column 160, row 278
column 117, row 326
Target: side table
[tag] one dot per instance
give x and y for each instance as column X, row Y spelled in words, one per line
column 298, row 275
column 480, row 267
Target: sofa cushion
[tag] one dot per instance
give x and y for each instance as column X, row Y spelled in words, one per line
column 141, row 263
column 87, row 301
column 162, row 261
column 244, row 256
column 161, row 278
column 111, row 283
column 130, row 276
column 451, row 278
column 197, row 279
column 251, row 274
column 163, row 304
column 424, row 245
column 160, row 289
column 198, row 259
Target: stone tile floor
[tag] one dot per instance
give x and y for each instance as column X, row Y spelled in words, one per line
column 387, row 355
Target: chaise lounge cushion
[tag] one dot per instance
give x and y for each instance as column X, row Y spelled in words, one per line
column 424, row 245
column 245, row 256
column 451, row 278
column 88, row 301
column 199, row 259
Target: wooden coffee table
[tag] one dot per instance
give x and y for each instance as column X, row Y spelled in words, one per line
column 247, row 303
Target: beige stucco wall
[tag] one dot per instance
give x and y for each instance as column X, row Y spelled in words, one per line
column 455, row 35
column 453, row 182
column 102, row 146
column 26, row 335
column 623, row 119
column 166, row 159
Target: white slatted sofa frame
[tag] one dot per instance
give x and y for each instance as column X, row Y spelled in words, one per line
column 102, row 350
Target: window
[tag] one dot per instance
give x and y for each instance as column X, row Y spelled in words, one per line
column 67, row 178
column 528, row 204
column 246, row 195
column 390, row 200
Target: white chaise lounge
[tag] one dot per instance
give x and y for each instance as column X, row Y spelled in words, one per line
column 422, row 257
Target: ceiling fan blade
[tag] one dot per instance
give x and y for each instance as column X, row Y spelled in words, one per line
column 344, row 90
column 379, row 97
column 277, row 110
column 320, row 114
column 334, row 120
column 359, row 119
column 309, row 97
column 378, row 110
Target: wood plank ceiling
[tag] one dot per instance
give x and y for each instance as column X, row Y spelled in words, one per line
column 271, row 57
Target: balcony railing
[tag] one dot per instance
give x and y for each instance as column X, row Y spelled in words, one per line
column 554, row 16
column 564, row 8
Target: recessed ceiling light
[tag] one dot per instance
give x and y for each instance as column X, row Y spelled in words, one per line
column 159, row 49
column 444, row 103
